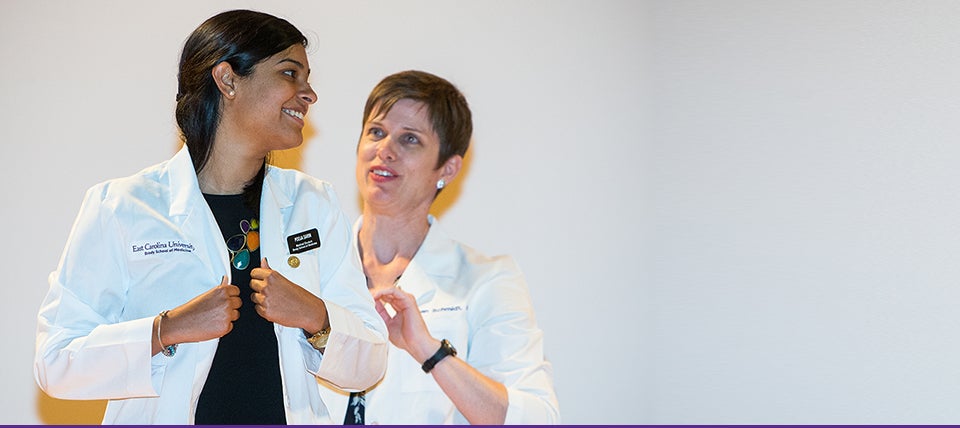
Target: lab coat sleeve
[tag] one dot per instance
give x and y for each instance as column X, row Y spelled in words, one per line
column 83, row 350
column 356, row 354
column 507, row 345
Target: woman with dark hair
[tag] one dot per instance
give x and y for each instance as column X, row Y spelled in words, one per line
column 466, row 345
column 164, row 301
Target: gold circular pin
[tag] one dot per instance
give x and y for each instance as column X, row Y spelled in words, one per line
column 293, row 261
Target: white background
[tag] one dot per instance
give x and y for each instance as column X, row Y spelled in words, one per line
column 729, row 212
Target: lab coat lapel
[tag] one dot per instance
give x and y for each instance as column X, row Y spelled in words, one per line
column 430, row 261
column 417, row 282
column 194, row 218
column 196, row 222
column 275, row 209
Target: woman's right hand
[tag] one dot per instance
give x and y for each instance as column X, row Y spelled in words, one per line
column 207, row 316
column 407, row 329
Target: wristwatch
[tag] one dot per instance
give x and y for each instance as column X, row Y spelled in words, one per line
column 445, row 349
column 319, row 340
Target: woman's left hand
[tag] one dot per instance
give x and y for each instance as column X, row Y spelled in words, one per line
column 279, row 300
column 407, row 329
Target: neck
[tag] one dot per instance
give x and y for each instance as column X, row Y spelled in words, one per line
column 387, row 244
column 229, row 170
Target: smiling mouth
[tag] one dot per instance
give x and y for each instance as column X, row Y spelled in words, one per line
column 293, row 113
column 382, row 173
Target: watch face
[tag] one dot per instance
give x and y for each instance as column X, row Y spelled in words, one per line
column 450, row 349
column 319, row 340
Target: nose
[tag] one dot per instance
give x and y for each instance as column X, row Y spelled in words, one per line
column 385, row 150
column 307, row 94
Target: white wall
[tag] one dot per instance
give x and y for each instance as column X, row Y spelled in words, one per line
column 88, row 94
column 804, row 210
column 729, row 212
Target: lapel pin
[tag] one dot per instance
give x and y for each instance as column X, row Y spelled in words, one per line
column 293, row 261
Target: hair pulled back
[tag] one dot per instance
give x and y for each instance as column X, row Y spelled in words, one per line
column 242, row 38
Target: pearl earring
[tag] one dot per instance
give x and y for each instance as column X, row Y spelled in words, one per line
column 441, row 183
column 231, row 93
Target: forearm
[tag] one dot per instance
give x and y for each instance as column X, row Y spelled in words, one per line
column 316, row 327
column 317, row 318
column 483, row 401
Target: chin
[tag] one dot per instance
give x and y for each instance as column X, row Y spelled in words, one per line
column 289, row 145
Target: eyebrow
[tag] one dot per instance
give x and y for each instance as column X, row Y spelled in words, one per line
column 376, row 122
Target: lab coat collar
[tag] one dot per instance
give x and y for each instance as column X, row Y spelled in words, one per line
column 184, row 187
column 432, row 260
column 275, row 195
column 183, row 179
column 275, row 208
column 187, row 204
column 189, row 210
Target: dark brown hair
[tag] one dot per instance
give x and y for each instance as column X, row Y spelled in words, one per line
column 242, row 38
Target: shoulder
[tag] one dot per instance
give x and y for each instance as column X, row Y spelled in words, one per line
column 148, row 185
column 486, row 278
column 481, row 267
column 497, row 289
column 466, row 267
column 297, row 184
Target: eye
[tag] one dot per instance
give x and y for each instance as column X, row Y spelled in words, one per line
column 375, row 133
column 410, row 139
column 291, row 73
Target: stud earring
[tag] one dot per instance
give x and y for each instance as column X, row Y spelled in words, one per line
column 441, row 183
column 231, row 93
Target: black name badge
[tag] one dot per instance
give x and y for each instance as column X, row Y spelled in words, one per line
column 303, row 241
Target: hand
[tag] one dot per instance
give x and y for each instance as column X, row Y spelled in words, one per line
column 407, row 329
column 278, row 300
column 207, row 316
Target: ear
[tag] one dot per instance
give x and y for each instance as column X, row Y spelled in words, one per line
column 451, row 168
column 224, row 77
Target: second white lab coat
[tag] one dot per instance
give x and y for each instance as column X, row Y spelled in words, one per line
column 482, row 306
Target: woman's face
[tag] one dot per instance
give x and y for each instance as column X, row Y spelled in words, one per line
column 272, row 100
column 397, row 157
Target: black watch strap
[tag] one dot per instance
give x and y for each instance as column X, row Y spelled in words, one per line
column 445, row 349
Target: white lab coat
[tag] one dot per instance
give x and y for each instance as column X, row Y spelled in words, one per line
column 149, row 242
column 482, row 306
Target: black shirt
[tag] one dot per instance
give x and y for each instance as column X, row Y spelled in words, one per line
column 244, row 385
